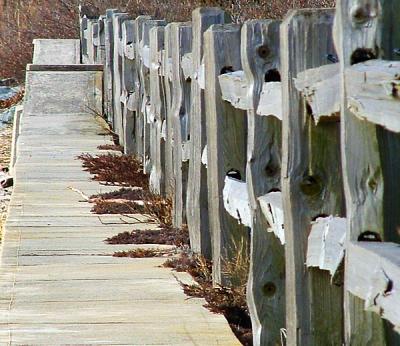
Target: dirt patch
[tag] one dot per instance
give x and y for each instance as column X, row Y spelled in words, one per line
column 143, row 253
column 231, row 302
column 111, row 169
column 163, row 236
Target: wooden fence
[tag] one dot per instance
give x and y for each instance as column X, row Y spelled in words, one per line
column 279, row 140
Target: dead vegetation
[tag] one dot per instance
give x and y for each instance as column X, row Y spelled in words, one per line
column 111, row 169
column 143, row 253
column 113, row 147
column 229, row 301
column 14, row 100
column 112, row 207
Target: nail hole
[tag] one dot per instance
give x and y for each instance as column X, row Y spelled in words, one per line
column 227, row 69
column 369, row 236
column 272, row 75
column 234, row 173
column 269, row 289
column 361, row 55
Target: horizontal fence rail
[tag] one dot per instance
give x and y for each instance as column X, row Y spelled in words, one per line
column 278, row 142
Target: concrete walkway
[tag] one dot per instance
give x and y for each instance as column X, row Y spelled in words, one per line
column 58, row 283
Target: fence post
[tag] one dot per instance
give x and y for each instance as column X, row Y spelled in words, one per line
column 144, row 74
column 84, row 43
column 139, row 121
column 108, row 68
column 90, row 41
column 181, row 43
column 118, row 19
column 311, row 182
column 226, row 147
column 266, row 285
column 101, row 41
column 128, row 84
column 197, row 202
column 370, row 153
column 158, row 110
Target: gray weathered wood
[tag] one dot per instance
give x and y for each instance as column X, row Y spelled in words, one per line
column 226, row 146
column 108, row 67
column 83, row 35
column 187, row 65
column 369, row 153
column 373, row 274
column 117, row 20
column 311, row 183
column 144, row 74
column 196, row 202
column 158, row 109
column 139, row 90
column 127, row 85
column 266, row 285
column 181, row 44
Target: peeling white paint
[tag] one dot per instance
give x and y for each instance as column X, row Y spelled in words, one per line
column 236, row 200
column 271, row 206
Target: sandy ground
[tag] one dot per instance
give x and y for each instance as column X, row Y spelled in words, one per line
column 5, row 147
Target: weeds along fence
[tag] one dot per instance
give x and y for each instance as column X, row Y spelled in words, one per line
column 277, row 139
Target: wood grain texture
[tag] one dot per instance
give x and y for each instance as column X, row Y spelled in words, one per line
column 226, row 145
column 311, row 183
column 181, row 44
column 266, row 284
column 369, row 153
column 197, row 202
column 158, row 110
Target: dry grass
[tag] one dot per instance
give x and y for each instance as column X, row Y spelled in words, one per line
column 143, row 253
column 14, row 100
column 123, row 170
column 110, row 207
column 114, row 147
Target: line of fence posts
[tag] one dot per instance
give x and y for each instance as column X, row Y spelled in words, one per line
column 277, row 142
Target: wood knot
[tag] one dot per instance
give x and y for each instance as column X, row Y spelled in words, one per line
column 269, row 289
column 263, row 51
column 311, row 185
column 363, row 13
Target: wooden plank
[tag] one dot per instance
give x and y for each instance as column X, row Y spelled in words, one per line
column 181, row 44
column 64, row 68
column 311, row 183
column 370, row 153
column 226, row 147
column 266, row 283
column 320, row 87
column 127, row 86
column 373, row 274
column 158, row 109
column 197, row 203
column 101, row 49
column 83, row 24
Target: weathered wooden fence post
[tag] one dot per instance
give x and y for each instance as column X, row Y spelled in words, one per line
column 266, row 285
column 370, row 153
column 108, row 68
column 128, row 84
column 311, row 181
column 118, row 19
column 84, row 43
column 100, row 41
column 139, row 121
column 226, row 147
column 181, row 44
column 90, row 42
column 158, row 110
column 144, row 74
column 197, row 200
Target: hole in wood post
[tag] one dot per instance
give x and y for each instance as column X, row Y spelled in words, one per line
column 389, row 288
column 361, row 55
column 310, row 185
column 263, row 51
column 369, row 236
column 234, row 173
column 272, row 75
column 227, row 69
column 395, row 90
column 274, row 190
column 318, row 216
column 269, row 289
